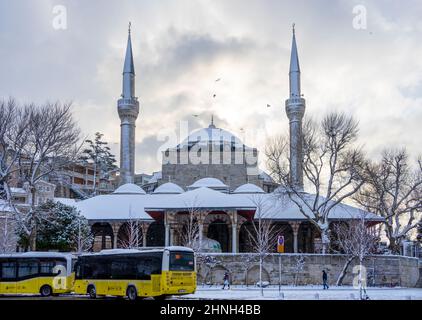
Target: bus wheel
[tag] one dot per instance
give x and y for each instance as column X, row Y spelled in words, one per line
column 46, row 291
column 92, row 292
column 131, row 293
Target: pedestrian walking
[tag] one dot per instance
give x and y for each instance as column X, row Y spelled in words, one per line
column 226, row 281
column 325, row 280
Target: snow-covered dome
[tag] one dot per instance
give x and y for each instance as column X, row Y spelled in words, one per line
column 168, row 188
column 213, row 135
column 129, row 188
column 211, row 183
column 249, row 188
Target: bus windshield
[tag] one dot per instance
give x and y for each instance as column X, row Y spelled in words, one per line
column 181, row 261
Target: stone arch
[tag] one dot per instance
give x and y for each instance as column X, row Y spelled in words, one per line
column 307, row 234
column 129, row 235
column 218, row 230
column 285, row 229
column 252, row 276
column 333, row 234
column 156, row 234
column 217, row 274
column 246, row 229
column 103, row 236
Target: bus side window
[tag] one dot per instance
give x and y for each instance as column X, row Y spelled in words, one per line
column 27, row 269
column 8, row 271
column 46, row 267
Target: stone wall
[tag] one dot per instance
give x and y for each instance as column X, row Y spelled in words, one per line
column 381, row 270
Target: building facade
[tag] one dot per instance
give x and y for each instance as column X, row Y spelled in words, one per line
column 210, row 180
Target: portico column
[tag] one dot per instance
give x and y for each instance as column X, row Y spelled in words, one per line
column 167, row 234
column 234, row 238
column 166, row 229
column 234, row 231
column 144, row 227
column 295, row 227
column 115, row 226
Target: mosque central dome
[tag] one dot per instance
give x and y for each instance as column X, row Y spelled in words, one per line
column 211, row 135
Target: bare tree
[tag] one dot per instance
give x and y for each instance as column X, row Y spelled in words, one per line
column 8, row 237
column 298, row 267
column 332, row 169
column 52, row 139
column 14, row 122
column 394, row 192
column 356, row 240
column 191, row 233
column 133, row 235
column 263, row 233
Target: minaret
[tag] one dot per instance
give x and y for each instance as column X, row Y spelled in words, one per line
column 128, row 108
column 295, row 109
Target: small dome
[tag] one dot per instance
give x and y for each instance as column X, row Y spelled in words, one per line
column 168, row 188
column 208, row 182
column 129, row 188
column 249, row 188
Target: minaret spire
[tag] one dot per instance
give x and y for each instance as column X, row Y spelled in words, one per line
column 128, row 70
column 128, row 108
column 295, row 109
column 294, row 73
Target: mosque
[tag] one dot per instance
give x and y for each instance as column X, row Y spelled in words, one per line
column 212, row 175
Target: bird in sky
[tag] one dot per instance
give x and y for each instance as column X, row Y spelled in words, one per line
column 214, row 95
column 218, row 80
column 196, row 115
column 268, row 105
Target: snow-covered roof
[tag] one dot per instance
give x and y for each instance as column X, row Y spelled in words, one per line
column 208, row 183
column 279, row 207
column 65, row 201
column 248, row 188
column 126, row 206
column 168, row 188
column 211, row 135
column 201, row 198
column 114, row 207
column 129, row 188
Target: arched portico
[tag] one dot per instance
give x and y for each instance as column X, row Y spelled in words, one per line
column 103, row 236
column 130, row 235
column 155, row 234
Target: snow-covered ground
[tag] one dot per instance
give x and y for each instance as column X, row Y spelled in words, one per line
column 303, row 293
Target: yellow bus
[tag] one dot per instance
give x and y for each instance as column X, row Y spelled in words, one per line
column 136, row 274
column 45, row 273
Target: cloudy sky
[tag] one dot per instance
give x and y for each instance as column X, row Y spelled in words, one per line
column 182, row 46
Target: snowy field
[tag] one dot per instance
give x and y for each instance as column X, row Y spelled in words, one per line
column 303, row 293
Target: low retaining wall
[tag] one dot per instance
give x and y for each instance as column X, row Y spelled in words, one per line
column 306, row 269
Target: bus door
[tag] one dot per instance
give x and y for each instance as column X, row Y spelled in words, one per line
column 8, row 276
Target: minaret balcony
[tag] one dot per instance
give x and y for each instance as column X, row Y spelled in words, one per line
column 295, row 101
column 127, row 101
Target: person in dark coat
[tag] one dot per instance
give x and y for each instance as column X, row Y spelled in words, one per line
column 226, row 281
column 325, row 279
